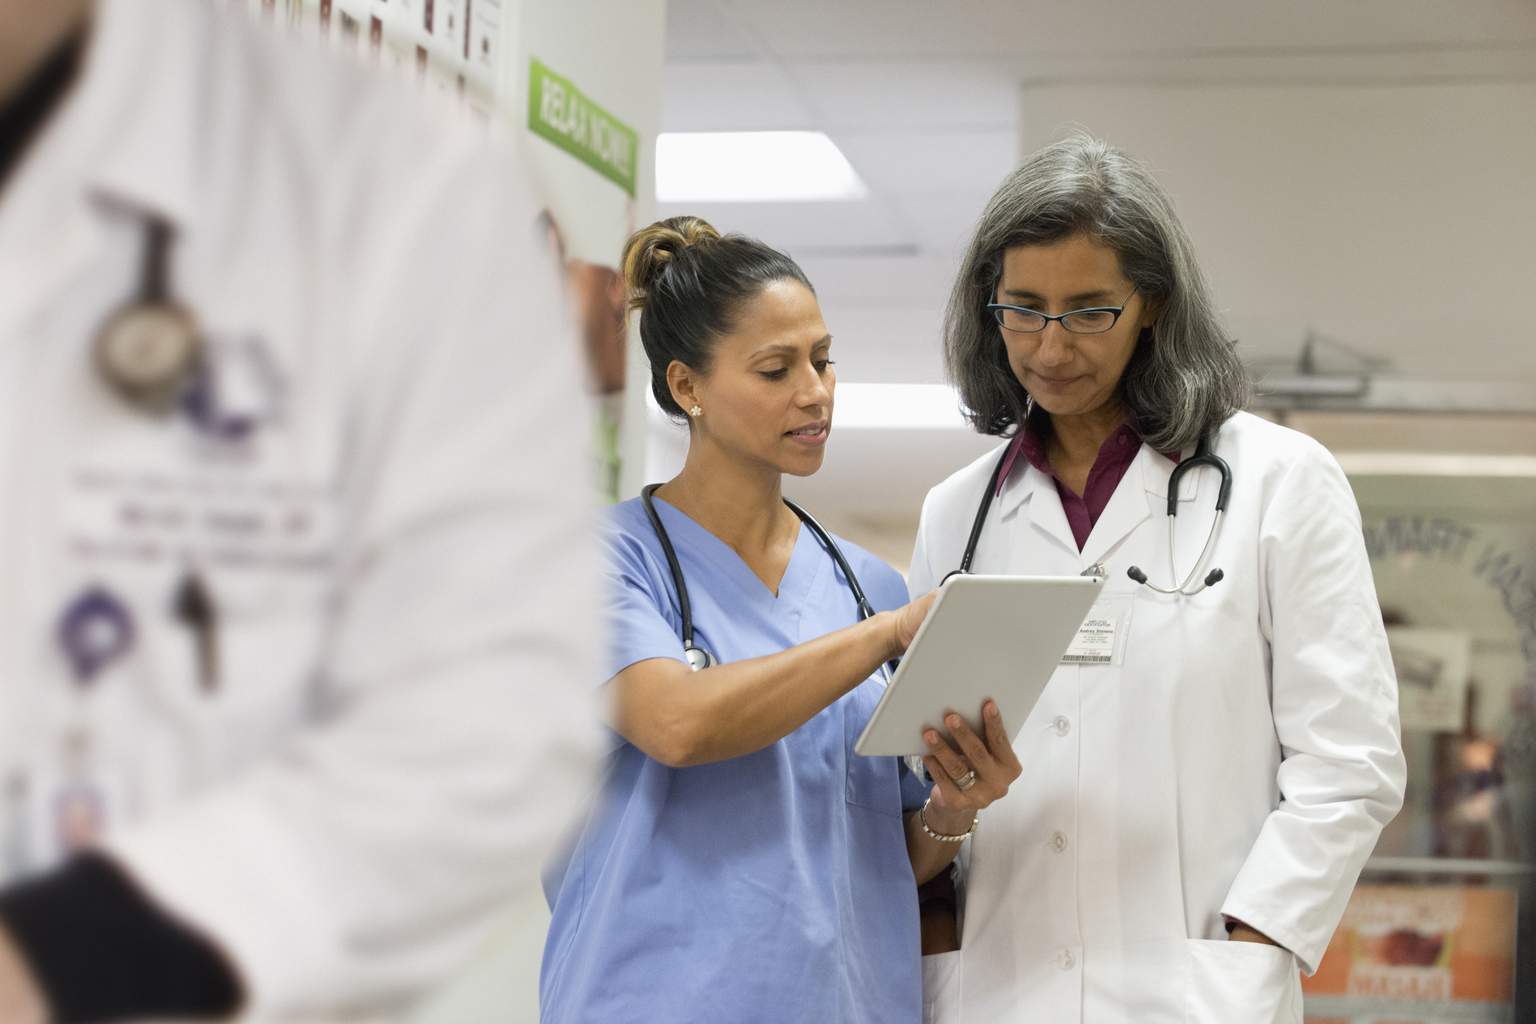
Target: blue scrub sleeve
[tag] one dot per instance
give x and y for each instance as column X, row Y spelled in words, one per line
column 642, row 621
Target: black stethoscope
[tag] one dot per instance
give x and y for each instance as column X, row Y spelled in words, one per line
column 1203, row 457
column 698, row 657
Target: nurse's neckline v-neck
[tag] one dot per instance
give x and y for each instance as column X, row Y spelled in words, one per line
column 739, row 565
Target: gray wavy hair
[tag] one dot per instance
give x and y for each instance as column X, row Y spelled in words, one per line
column 1183, row 380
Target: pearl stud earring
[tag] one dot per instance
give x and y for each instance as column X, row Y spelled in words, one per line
column 695, row 411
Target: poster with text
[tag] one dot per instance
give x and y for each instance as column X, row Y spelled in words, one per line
column 1411, row 953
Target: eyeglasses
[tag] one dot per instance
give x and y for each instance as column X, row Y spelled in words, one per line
column 1079, row 321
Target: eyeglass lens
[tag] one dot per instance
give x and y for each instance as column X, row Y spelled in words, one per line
column 1085, row 321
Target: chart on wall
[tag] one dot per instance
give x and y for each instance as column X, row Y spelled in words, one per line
column 454, row 44
column 581, row 81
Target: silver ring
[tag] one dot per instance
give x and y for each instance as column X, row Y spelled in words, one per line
column 965, row 781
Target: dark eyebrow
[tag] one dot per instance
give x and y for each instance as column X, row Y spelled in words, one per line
column 775, row 349
column 1098, row 296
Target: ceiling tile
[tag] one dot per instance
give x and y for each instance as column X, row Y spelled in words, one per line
column 931, row 163
column 898, row 277
column 911, row 93
column 943, row 225
column 979, row 29
column 732, row 96
column 700, row 29
column 794, row 227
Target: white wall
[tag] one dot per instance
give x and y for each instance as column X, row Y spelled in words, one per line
column 1398, row 219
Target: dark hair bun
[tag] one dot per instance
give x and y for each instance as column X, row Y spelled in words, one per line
column 651, row 250
column 689, row 283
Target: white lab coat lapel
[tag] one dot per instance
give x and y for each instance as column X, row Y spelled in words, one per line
column 1039, row 510
column 1128, row 508
column 1141, row 493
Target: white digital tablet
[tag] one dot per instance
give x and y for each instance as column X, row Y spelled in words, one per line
column 985, row 636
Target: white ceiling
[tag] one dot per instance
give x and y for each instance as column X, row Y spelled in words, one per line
column 804, row 30
column 924, row 96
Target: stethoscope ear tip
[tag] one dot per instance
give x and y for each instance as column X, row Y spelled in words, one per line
column 1136, row 574
column 1214, row 577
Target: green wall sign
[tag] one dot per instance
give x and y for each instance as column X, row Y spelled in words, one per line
column 559, row 112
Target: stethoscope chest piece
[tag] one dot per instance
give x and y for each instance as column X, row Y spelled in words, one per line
column 149, row 349
column 147, row 352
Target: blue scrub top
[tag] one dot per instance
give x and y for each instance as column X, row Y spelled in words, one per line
column 771, row 887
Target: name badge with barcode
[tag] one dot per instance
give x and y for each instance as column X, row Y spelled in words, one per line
column 1100, row 639
column 1095, row 643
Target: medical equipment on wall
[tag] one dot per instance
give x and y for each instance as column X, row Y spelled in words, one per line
column 700, row 658
column 148, row 349
column 1203, row 457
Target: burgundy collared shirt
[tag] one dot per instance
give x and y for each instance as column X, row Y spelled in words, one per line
column 1115, row 457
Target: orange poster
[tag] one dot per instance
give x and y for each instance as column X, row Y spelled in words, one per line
column 1401, row 951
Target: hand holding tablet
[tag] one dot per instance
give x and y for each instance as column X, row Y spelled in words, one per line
column 986, row 637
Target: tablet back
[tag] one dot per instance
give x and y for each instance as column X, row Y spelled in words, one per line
column 985, row 636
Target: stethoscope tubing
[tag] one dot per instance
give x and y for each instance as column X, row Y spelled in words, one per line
column 685, row 609
column 677, row 570
column 1203, row 457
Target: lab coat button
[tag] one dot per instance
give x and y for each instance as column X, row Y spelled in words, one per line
column 1061, row 725
column 1058, row 841
column 1068, row 960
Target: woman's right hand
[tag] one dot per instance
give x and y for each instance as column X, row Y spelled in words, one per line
column 908, row 618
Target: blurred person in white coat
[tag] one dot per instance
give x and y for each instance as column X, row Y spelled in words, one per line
column 1208, row 770
column 296, row 595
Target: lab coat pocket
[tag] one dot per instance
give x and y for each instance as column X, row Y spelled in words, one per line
column 941, row 987
column 1241, row 983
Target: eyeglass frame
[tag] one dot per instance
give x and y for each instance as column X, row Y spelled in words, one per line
column 997, row 308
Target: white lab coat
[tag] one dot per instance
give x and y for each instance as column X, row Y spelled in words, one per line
column 1240, row 761
column 399, row 554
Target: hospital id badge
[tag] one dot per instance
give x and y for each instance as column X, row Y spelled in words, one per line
column 1101, row 638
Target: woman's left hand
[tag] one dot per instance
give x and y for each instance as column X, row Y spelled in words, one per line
column 993, row 761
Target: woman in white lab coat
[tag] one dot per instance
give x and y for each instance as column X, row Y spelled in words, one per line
column 1202, row 787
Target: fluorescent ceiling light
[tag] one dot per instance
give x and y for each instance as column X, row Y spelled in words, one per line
column 752, row 167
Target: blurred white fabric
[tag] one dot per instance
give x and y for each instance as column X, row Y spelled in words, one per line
column 499, row 984
column 403, row 568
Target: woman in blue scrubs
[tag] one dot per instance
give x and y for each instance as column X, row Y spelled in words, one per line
column 742, row 863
